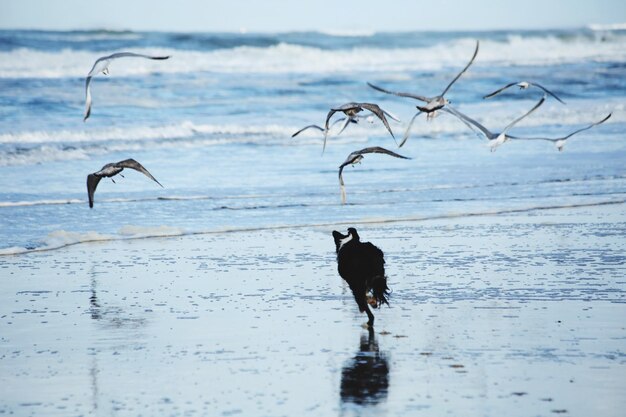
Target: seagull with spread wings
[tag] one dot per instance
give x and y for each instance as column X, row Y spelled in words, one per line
column 356, row 157
column 495, row 139
column 102, row 66
column 110, row 170
column 523, row 85
column 432, row 103
column 560, row 142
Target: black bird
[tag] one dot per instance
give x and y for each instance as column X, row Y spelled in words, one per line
column 362, row 266
column 432, row 103
column 110, row 170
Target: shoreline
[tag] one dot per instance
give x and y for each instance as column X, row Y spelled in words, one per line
column 169, row 232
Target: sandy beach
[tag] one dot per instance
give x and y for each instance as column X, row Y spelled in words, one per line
column 516, row 314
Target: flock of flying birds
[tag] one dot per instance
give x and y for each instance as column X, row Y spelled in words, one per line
column 352, row 115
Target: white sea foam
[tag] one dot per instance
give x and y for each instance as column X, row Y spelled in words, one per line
column 44, row 146
column 610, row 26
column 288, row 58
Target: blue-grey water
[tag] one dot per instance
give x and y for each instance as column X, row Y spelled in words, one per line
column 213, row 125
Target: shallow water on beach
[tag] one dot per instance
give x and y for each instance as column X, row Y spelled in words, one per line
column 505, row 315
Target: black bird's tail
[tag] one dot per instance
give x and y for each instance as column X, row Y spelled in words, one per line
column 380, row 290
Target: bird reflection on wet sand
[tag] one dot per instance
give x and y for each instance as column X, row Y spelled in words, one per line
column 365, row 379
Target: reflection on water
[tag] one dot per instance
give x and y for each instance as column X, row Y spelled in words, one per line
column 365, row 379
column 114, row 324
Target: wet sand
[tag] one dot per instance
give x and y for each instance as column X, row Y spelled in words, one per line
column 516, row 315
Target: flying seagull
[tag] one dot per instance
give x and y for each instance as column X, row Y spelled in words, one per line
column 432, row 103
column 102, row 65
column 560, row 142
column 495, row 139
column 523, row 85
column 351, row 110
column 356, row 157
column 110, row 170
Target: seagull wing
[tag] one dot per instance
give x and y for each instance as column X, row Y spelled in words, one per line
column 326, row 127
column 415, row 96
column 510, row 125
column 349, row 160
column 133, row 54
column 568, row 136
column 132, row 164
column 87, row 97
column 408, row 129
column 378, row 149
column 392, row 116
column 341, row 183
column 307, row 127
column 464, row 69
column 92, row 183
column 547, row 91
column 472, row 127
column 469, row 121
column 498, row 91
column 374, row 108
column 346, row 122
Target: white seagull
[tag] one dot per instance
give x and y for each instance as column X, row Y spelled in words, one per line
column 102, row 65
column 110, row 170
column 432, row 103
column 523, row 85
column 356, row 157
column 495, row 139
column 560, row 142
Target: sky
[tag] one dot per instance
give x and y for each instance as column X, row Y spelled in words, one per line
column 291, row 15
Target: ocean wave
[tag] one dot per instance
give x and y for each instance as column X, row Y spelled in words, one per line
column 609, row 27
column 491, row 113
column 62, row 239
column 294, row 58
column 28, row 147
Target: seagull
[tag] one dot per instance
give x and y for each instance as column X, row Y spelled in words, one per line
column 495, row 139
column 352, row 109
column 560, row 142
column 356, row 157
column 110, row 170
column 432, row 103
column 523, row 85
column 102, row 65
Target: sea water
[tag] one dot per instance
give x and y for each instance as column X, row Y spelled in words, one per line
column 213, row 124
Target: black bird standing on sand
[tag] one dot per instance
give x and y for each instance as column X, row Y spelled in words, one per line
column 109, row 170
column 362, row 266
